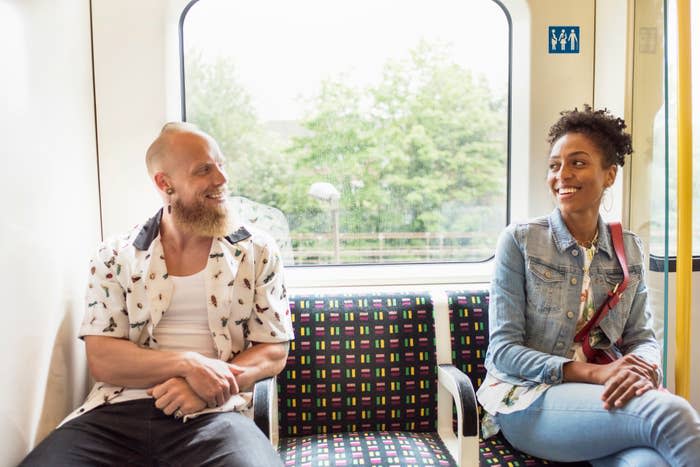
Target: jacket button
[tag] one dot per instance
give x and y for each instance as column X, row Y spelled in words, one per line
column 553, row 378
column 548, row 274
column 574, row 252
column 560, row 345
column 573, row 281
column 570, row 314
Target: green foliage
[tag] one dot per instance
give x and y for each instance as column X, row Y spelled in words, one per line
column 422, row 150
column 427, row 134
column 222, row 107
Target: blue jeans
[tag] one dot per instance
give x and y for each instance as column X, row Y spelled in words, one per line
column 568, row 423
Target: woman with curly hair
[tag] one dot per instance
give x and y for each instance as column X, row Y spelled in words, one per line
column 552, row 274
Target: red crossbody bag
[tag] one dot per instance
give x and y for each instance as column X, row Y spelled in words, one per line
column 601, row 356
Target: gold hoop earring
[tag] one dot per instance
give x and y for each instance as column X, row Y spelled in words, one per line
column 607, row 200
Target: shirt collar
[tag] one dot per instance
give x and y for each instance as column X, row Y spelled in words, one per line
column 565, row 241
column 151, row 230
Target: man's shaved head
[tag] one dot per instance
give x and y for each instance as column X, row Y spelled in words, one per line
column 162, row 144
column 186, row 166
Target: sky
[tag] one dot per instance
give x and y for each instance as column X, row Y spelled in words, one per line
column 284, row 49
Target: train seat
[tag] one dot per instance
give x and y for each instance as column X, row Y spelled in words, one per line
column 267, row 218
column 361, row 386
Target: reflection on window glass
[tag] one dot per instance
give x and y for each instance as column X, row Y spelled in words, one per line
column 378, row 129
column 658, row 202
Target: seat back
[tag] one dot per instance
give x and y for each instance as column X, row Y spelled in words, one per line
column 359, row 362
column 270, row 220
column 469, row 331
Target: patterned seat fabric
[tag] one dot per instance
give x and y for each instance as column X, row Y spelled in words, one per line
column 497, row 452
column 366, row 448
column 359, row 363
column 469, row 333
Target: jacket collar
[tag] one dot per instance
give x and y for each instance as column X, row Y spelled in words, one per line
column 565, row 241
column 151, row 230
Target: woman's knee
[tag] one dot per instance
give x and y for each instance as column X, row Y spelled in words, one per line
column 633, row 457
column 662, row 406
column 682, row 407
column 670, row 423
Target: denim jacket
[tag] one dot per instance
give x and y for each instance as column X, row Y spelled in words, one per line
column 535, row 301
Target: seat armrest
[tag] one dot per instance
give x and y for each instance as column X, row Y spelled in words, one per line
column 460, row 387
column 265, row 407
column 454, row 385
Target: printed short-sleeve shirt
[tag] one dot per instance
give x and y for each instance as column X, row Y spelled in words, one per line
column 129, row 292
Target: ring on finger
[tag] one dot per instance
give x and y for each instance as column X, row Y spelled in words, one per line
column 178, row 414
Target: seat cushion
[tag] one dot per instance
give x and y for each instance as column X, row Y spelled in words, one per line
column 497, row 452
column 380, row 448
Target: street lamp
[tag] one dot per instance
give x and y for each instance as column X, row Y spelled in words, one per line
column 324, row 191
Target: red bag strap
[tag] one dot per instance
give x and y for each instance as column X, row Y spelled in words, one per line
column 614, row 294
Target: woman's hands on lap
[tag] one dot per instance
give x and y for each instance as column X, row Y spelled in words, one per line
column 625, row 378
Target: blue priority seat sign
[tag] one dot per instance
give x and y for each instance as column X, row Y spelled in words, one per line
column 564, row 39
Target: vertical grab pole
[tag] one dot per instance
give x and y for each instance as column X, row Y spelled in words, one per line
column 685, row 208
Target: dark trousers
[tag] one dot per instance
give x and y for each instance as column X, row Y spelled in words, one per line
column 136, row 433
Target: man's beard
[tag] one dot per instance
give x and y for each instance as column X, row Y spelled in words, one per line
column 201, row 219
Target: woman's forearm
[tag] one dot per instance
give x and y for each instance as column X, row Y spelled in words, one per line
column 582, row 372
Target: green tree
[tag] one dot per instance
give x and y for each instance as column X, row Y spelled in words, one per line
column 221, row 106
column 422, row 150
column 411, row 151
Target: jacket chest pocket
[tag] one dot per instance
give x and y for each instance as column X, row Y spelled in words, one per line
column 544, row 287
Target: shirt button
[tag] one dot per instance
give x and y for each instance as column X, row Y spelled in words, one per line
column 548, row 274
column 570, row 314
column 574, row 252
column 573, row 281
column 553, row 378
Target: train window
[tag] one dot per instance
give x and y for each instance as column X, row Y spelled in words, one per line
column 378, row 130
column 659, row 150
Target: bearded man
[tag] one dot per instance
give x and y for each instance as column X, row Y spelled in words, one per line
column 184, row 314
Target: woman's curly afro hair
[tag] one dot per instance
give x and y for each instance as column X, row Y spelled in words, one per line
column 604, row 129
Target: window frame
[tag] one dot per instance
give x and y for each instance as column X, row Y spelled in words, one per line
column 398, row 273
column 664, row 261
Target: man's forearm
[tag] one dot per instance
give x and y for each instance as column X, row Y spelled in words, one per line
column 123, row 363
column 258, row 362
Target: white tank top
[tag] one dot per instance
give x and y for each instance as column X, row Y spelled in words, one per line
column 183, row 327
